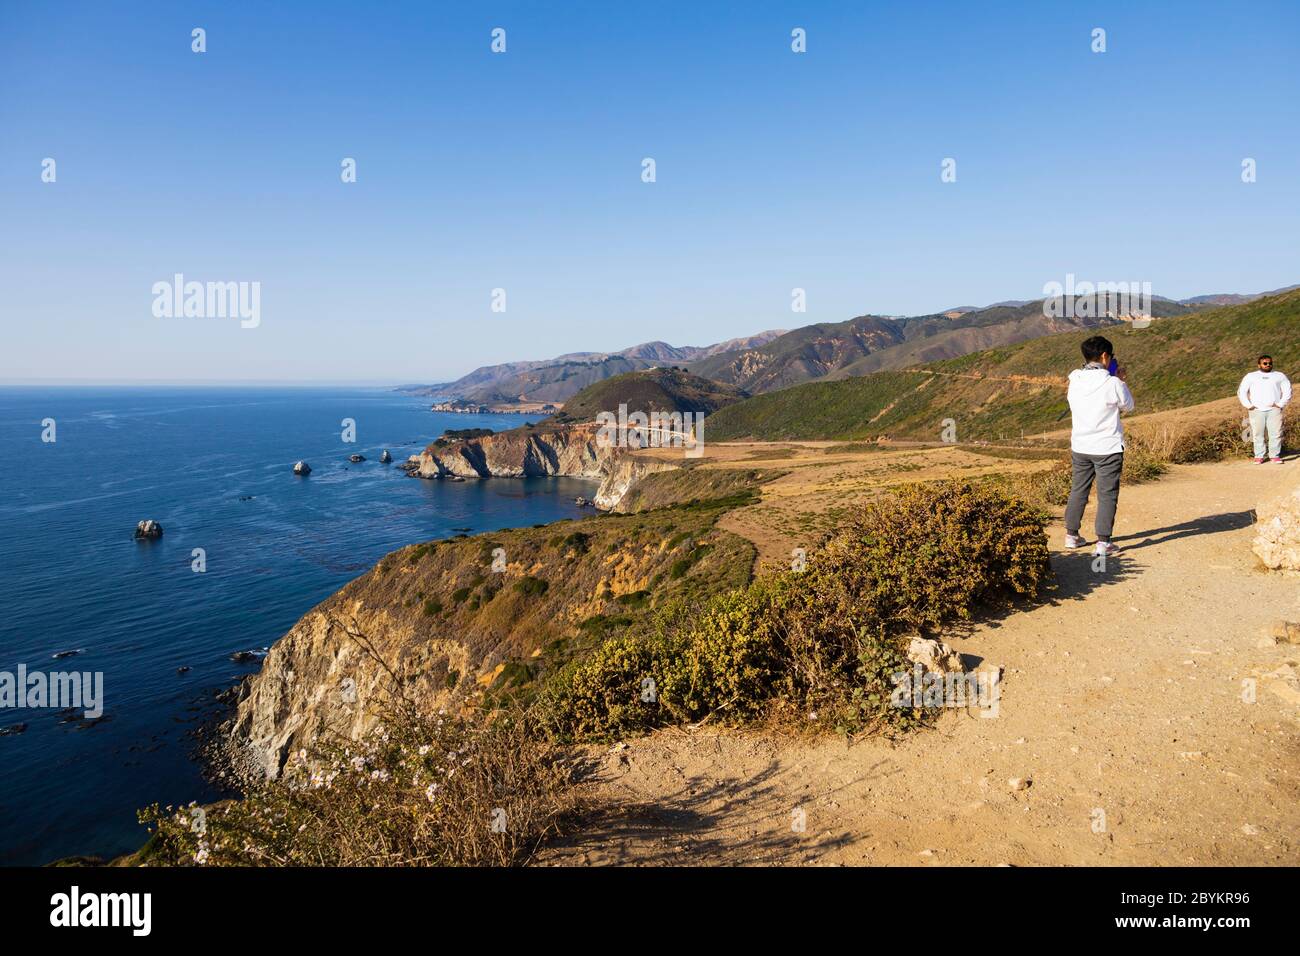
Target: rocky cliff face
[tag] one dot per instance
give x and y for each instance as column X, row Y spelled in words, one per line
column 440, row 619
column 452, row 623
column 570, row 451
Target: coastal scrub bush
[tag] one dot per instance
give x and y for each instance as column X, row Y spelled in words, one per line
column 531, row 586
column 606, row 693
column 417, row 791
column 828, row 638
column 929, row 553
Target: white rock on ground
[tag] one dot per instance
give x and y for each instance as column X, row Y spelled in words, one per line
column 935, row 656
column 1277, row 533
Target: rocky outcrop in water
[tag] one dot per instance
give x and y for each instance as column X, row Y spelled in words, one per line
column 385, row 458
column 148, row 530
column 301, row 468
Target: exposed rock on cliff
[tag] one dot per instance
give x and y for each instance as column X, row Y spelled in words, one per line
column 471, row 621
column 568, row 451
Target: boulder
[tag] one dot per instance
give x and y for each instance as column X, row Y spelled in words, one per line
column 935, row 656
column 1277, row 533
column 1285, row 632
column 356, row 457
column 148, row 529
column 301, row 468
column 385, row 458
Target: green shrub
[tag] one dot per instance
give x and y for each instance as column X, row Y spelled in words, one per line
column 578, row 541
column 602, row 695
column 634, row 599
column 826, row 639
column 929, row 553
column 531, row 586
column 432, row 606
column 460, row 595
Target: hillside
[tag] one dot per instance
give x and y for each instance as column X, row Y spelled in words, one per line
column 869, row 344
column 655, row 390
column 560, row 378
column 1175, row 362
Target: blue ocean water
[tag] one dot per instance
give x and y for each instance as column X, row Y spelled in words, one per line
column 213, row 465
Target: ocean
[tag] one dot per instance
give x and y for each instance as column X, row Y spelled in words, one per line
column 213, row 466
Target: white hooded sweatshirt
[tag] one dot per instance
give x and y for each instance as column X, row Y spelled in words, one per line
column 1096, row 399
column 1264, row 390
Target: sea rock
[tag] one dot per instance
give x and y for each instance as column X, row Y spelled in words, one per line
column 12, row 730
column 935, row 656
column 1277, row 533
column 356, row 457
column 385, row 458
column 149, row 529
column 582, row 502
column 301, row 468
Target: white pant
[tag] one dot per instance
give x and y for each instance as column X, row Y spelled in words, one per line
column 1267, row 420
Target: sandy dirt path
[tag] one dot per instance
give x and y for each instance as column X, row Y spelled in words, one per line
column 1122, row 701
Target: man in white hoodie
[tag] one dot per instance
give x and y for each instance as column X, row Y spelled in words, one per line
column 1264, row 393
column 1098, row 393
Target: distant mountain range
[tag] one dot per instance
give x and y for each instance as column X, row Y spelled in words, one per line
column 778, row 359
column 559, row 379
column 872, row 344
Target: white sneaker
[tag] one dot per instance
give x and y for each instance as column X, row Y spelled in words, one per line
column 1073, row 541
column 1105, row 549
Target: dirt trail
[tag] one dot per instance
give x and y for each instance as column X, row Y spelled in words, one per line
column 1122, row 696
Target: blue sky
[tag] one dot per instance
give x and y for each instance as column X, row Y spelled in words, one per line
column 522, row 171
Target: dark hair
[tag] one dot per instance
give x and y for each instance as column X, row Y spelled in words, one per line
column 1262, row 357
column 1095, row 346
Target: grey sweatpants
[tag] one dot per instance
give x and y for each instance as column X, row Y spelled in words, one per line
column 1105, row 470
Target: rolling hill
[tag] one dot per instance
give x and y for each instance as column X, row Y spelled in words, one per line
column 653, row 390
column 1177, row 361
column 560, row 378
column 869, row 344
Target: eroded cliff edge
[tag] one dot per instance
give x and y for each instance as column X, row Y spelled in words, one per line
column 559, row 451
column 472, row 622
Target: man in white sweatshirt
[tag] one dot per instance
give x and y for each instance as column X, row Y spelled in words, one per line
column 1098, row 393
column 1264, row 393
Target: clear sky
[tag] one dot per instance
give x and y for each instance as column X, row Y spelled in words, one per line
column 523, row 171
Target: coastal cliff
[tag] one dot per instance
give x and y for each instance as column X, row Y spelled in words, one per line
column 468, row 623
column 566, row 451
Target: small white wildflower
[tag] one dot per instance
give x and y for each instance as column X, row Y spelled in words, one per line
column 430, row 791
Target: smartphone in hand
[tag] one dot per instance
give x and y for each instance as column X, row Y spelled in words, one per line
column 1114, row 366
